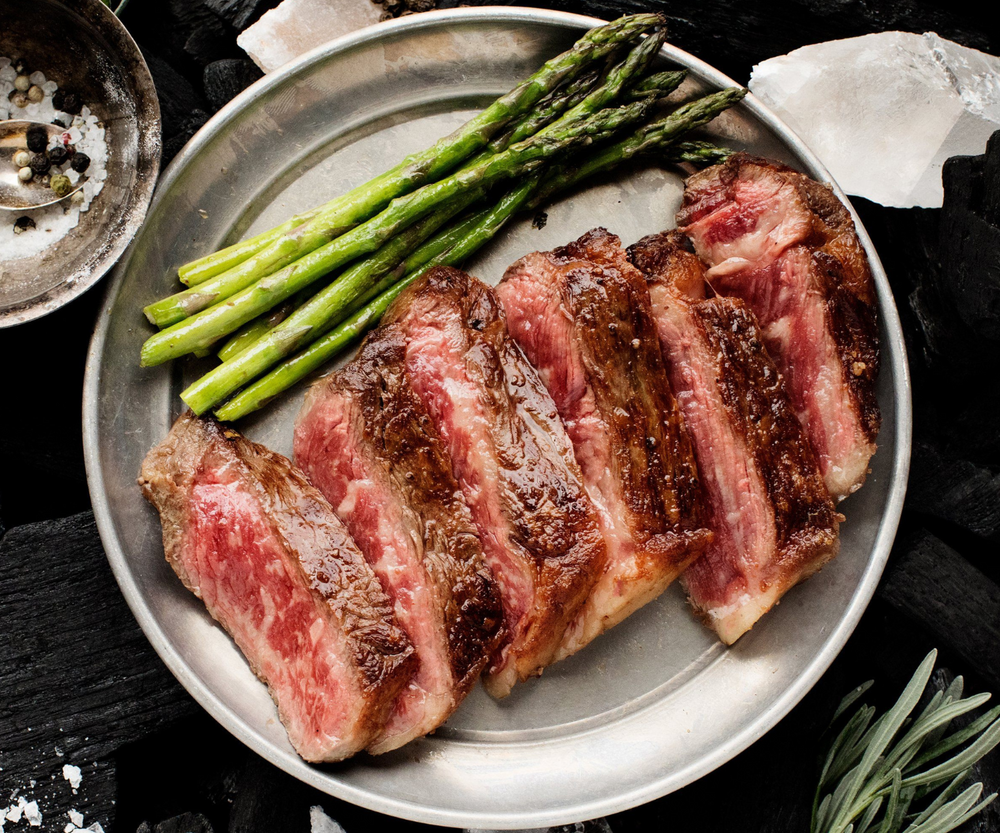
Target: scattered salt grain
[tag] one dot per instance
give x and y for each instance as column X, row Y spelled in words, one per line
column 32, row 814
column 72, row 774
column 76, row 817
column 320, row 822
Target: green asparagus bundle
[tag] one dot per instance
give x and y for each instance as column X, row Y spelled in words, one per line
column 245, row 261
column 257, row 298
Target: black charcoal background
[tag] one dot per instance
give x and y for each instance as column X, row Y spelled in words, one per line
column 80, row 685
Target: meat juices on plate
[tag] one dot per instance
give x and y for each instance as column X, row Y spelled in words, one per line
column 539, row 531
column 364, row 438
column 582, row 316
column 787, row 246
column 246, row 533
column 773, row 518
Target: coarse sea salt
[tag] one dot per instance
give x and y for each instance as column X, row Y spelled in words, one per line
column 53, row 222
column 72, row 774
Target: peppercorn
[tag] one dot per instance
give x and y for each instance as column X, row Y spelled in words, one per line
column 35, row 93
column 38, row 138
column 22, row 159
column 71, row 104
column 80, row 162
column 25, row 174
column 40, row 164
column 58, row 100
column 60, row 123
column 61, row 185
column 19, row 99
column 77, row 197
column 22, row 224
column 58, row 155
column 22, row 83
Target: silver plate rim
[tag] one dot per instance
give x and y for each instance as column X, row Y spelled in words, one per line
column 523, row 817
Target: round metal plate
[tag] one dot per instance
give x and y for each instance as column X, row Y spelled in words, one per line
column 651, row 705
column 82, row 46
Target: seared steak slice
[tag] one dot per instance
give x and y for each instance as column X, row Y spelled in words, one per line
column 540, row 533
column 582, row 316
column 262, row 548
column 787, row 246
column 773, row 518
column 364, row 438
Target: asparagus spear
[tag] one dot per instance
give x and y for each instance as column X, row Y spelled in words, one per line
column 362, row 202
column 696, row 153
column 202, row 329
column 473, row 233
column 656, row 134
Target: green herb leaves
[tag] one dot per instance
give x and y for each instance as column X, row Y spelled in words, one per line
column 874, row 772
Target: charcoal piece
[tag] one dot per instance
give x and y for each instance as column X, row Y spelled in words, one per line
column 955, row 490
column 180, row 133
column 931, row 583
column 179, row 100
column 240, row 13
column 224, row 80
column 78, row 678
column 989, row 190
column 185, row 823
column 969, row 243
column 206, row 44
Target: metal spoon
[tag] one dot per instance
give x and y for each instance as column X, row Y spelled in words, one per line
column 16, row 195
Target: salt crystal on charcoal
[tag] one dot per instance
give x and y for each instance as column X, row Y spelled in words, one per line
column 72, row 774
column 884, row 111
column 320, row 822
column 296, row 26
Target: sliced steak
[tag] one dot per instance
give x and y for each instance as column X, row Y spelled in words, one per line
column 773, row 518
column 787, row 246
column 510, row 452
column 262, row 548
column 364, row 438
column 582, row 316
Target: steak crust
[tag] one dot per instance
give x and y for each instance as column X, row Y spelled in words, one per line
column 773, row 518
column 261, row 547
column 540, row 532
column 582, row 315
column 366, row 440
column 787, row 246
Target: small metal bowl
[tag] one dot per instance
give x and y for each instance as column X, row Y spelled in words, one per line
column 83, row 47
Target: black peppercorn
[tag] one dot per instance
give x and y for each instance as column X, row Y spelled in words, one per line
column 59, row 100
column 40, row 164
column 22, row 224
column 60, row 123
column 58, row 155
column 37, row 137
column 80, row 162
column 71, row 104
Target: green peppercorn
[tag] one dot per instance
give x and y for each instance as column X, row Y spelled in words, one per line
column 61, row 185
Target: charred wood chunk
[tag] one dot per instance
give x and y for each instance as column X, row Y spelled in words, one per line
column 224, row 80
column 955, row 490
column 931, row 583
column 240, row 13
column 970, row 238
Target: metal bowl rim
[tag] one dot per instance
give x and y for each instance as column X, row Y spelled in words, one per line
column 516, row 818
column 148, row 160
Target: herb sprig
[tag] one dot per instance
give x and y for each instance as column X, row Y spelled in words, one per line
column 875, row 772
